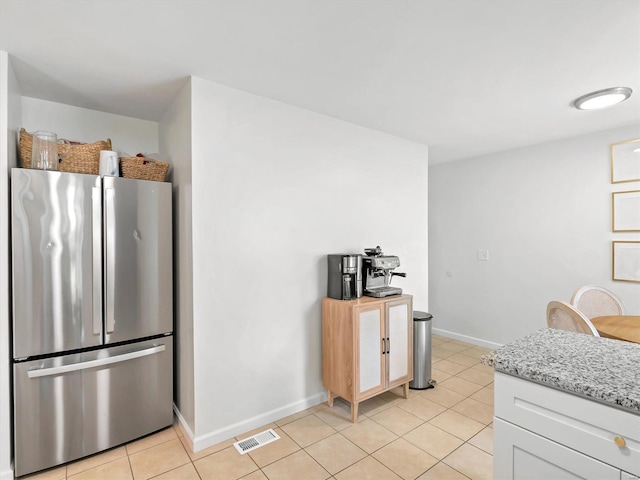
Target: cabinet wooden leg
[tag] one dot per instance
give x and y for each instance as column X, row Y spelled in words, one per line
column 405, row 389
column 354, row 412
column 329, row 398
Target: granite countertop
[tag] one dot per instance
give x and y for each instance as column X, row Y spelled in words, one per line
column 598, row 368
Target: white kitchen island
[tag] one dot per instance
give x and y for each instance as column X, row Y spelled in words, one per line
column 567, row 406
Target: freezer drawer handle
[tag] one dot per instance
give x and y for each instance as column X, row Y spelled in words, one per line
column 46, row 372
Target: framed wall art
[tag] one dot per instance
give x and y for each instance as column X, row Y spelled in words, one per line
column 625, row 161
column 626, row 261
column 625, row 213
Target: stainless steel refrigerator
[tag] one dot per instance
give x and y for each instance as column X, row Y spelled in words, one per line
column 92, row 314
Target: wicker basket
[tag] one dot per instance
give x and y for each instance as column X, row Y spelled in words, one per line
column 143, row 168
column 81, row 158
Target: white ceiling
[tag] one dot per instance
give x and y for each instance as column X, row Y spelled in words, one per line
column 466, row 77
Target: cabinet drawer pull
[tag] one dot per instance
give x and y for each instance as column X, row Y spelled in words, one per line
column 388, row 346
column 384, row 345
column 620, row 441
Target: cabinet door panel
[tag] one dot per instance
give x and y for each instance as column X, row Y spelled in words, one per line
column 400, row 334
column 580, row 424
column 370, row 359
column 523, row 455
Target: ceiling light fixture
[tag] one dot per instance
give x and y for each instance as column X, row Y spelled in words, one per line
column 602, row 98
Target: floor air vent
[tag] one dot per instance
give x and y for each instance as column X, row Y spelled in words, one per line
column 257, row 441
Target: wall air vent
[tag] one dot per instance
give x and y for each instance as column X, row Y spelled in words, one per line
column 256, row 441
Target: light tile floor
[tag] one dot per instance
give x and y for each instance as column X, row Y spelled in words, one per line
column 442, row 433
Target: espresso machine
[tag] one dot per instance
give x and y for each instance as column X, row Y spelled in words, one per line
column 378, row 272
column 345, row 276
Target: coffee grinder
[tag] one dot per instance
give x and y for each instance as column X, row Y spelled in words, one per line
column 345, row 276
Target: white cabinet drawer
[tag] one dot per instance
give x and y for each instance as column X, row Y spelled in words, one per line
column 578, row 423
column 522, row 455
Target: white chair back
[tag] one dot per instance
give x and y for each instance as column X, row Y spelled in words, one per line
column 563, row 316
column 595, row 301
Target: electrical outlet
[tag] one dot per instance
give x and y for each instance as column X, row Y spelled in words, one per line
column 483, row 255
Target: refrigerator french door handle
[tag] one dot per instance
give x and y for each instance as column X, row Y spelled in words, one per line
column 96, row 232
column 110, row 263
column 47, row 372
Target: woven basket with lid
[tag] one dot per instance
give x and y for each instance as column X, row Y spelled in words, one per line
column 143, row 168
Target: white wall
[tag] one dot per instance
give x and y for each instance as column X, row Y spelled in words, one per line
column 544, row 215
column 175, row 147
column 10, row 119
column 275, row 189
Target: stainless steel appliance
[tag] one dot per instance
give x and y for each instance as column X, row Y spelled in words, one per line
column 422, row 352
column 378, row 272
column 345, row 276
column 92, row 314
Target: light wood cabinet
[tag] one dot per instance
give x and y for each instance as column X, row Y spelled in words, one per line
column 367, row 347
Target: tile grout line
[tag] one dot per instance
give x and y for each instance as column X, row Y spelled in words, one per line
column 366, row 417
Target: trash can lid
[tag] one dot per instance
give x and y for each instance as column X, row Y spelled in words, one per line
column 421, row 316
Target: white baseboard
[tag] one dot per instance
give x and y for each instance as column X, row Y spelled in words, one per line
column 465, row 338
column 184, row 426
column 207, row 440
column 6, row 475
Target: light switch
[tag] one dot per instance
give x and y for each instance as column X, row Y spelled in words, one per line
column 483, row 255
